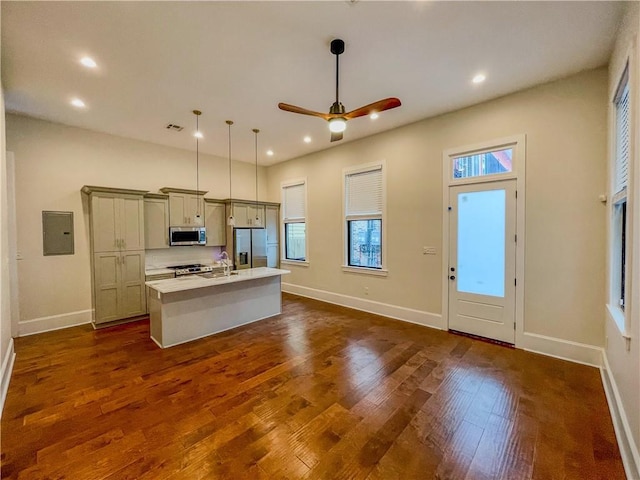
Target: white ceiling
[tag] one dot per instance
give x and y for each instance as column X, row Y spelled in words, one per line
column 157, row 61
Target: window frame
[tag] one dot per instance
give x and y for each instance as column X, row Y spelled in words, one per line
column 305, row 219
column 621, row 206
column 354, row 170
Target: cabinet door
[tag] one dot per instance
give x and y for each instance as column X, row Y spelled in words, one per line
column 214, row 221
column 177, row 217
column 156, row 223
column 272, row 219
column 256, row 215
column 104, row 223
column 132, row 284
column 106, row 281
column 194, row 206
column 273, row 259
column 241, row 215
column 131, row 220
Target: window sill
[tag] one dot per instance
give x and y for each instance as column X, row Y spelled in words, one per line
column 300, row 263
column 380, row 272
column 617, row 316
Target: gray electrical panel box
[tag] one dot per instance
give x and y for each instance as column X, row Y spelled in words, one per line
column 57, row 233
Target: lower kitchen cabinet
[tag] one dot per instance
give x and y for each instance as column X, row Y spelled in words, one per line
column 119, row 285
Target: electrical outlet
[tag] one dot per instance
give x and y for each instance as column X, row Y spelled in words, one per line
column 428, row 250
column 366, row 290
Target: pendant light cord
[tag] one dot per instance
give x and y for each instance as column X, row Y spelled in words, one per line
column 229, row 123
column 197, row 113
column 256, row 131
column 197, row 162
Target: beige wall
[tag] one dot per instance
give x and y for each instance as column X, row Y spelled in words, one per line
column 565, row 125
column 5, row 297
column 624, row 357
column 54, row 161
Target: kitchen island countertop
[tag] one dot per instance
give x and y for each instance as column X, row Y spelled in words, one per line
column 190, row 282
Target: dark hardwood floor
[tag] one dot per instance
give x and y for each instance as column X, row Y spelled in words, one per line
column 319, row 392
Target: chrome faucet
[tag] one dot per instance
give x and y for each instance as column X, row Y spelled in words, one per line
column 224, row 257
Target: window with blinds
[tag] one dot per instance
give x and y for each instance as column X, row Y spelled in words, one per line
column 364, row 202
column 622, row 135
column 622, row 154
column 294, row 203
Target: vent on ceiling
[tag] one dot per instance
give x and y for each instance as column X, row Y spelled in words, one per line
column 174, row 127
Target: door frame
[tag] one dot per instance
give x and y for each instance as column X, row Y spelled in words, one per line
column 518, row 143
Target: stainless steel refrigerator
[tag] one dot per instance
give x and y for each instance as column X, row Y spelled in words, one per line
column 249, row 247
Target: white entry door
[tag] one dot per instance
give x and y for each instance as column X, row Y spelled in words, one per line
column 482, row 254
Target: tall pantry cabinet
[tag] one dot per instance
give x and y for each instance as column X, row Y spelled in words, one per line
column 117, row 252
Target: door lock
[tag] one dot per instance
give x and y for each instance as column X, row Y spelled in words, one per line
column 452, row 277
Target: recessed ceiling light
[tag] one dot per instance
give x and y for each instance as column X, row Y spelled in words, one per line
column 479, row 78
column 373, row 116
column 76, row 102
column 198, row 135
column 88, row 62
column 307, row 139
column 270, row 153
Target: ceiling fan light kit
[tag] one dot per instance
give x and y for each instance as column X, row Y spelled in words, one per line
column 337, row 125
column 337, row 117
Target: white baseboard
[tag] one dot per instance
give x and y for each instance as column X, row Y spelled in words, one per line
column 562, row 349
column 628, row 448
column 54, row 322
column 5, row 378
column 410, row 315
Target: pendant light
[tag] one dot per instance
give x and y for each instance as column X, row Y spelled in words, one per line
column 258, row 222
column 198, row 135
column 230, row 221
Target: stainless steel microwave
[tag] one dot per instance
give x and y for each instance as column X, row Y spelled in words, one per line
column 187, row 236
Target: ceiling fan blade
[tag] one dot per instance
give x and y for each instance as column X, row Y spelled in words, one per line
column 335, row 136
column 379, row 106
column 292, row 108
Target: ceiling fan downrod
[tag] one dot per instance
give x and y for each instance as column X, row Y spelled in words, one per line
column 337, row 48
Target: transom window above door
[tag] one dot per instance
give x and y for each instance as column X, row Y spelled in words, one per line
column 494, row 162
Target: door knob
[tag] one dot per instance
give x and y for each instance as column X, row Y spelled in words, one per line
column 452, row 277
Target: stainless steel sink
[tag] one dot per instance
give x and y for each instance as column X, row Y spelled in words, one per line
column 216, row 275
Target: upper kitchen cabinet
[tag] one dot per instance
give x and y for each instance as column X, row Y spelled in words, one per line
column 117, row 218
column 215, row 223
column 156, row 221
column 185, row 206
column 245, row 215
column 272, row 226
column 273, row 213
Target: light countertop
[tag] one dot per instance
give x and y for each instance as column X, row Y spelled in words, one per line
column 190, row 282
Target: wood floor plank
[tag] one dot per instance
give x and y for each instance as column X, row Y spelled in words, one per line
column 318, row 392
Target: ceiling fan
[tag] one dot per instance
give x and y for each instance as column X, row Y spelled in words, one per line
column 337, row 117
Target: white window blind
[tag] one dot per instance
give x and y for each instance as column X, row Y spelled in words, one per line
column 364, row 193
column 622, row 136
column 294, row 202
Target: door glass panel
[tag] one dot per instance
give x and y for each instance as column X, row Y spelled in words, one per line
column 481, row 242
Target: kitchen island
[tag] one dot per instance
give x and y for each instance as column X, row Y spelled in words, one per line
column 186, row 308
